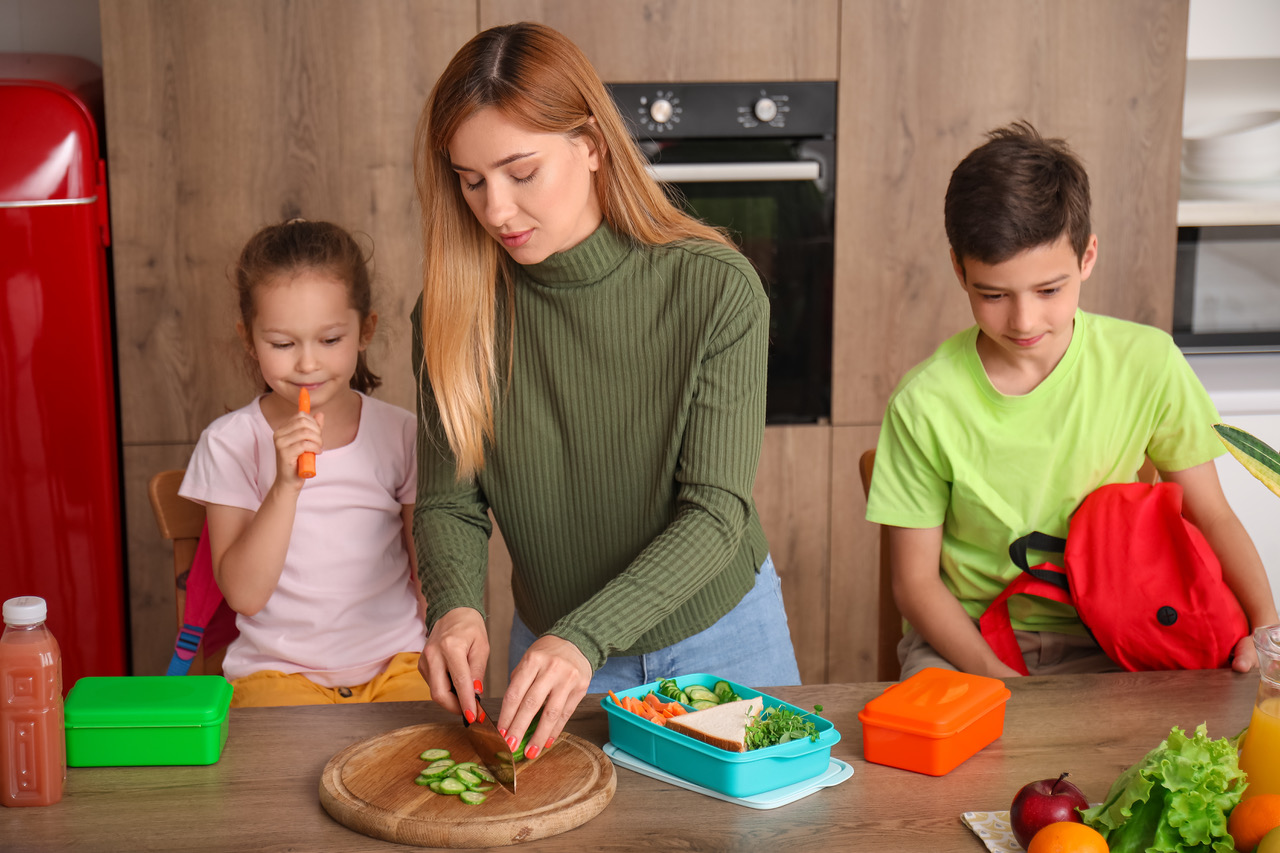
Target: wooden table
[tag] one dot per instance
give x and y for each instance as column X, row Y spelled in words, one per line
column 262, row 794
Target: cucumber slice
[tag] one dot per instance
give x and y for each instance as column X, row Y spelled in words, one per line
column 450, row 785
column 703, row 704
column 724, row 692
column 483, row 788
column 434, row 785
column 483, row 774
column 423, row 780
column 438, row 768
column 683, row 698
column 434, row 754
column 472, row 798
column 697, row 692
column 466, row 777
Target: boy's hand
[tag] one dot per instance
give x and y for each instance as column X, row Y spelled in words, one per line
column 1245, row 657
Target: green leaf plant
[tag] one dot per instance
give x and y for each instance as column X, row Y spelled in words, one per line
column 1257, row 457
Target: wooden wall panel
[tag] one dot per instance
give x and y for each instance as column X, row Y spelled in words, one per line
column 223, row 117
column 855, row 563
column 792, row 494
column 920, row 83
column 677, row 40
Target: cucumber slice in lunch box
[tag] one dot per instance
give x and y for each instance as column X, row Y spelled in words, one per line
column 698, row 693
column 703, row 704
column 724, row 692
column 434, row 754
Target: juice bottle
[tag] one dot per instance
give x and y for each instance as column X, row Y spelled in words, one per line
column 1260, row 753
column 33, row 746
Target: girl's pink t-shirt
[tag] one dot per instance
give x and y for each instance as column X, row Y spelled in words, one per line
column 346, row 602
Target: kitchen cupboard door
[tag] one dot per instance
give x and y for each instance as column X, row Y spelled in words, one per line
column 707, row 40
column 854, row 589
column 921, row 82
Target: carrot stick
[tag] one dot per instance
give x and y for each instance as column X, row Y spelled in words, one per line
column 306, row 461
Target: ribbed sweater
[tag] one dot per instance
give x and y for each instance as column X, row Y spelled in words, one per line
column 625, row 448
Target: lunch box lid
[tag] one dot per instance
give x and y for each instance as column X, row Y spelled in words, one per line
column 935, row 702
column 135, row 701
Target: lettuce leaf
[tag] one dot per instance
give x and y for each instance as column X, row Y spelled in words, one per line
column 1176, row 799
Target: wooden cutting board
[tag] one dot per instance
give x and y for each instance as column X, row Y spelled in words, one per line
column 369, row 787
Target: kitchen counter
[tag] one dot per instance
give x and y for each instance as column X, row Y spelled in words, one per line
column 262, row 794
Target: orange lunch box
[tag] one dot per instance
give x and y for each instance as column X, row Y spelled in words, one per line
column 933, row 721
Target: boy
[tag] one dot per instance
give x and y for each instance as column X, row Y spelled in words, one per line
column 1011, row 423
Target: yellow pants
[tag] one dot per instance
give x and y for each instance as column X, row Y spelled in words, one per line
column 399, row 682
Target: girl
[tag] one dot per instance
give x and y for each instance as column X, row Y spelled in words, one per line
column 319, row 571
column 592, row 371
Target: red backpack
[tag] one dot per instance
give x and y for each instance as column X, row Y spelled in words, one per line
column 1143, row 579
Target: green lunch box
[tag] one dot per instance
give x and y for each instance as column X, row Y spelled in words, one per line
column 119, row 721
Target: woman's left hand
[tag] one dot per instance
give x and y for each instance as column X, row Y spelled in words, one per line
column 553, row 675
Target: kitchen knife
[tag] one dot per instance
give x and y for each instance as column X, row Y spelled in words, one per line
column 493, row 751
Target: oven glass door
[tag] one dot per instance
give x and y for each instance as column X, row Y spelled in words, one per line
column 1227, row 288
column 774, row 197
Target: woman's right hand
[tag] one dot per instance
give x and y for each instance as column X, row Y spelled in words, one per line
column 456, row 654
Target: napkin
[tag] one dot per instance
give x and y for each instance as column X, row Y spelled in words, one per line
column 994, row 829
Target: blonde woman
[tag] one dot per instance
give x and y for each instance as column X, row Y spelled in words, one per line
column 591, row 364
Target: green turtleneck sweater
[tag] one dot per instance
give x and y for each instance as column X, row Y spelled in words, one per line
column 625, row 449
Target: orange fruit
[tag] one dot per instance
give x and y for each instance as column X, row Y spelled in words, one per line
column 1067, row 837
column 1252, row 819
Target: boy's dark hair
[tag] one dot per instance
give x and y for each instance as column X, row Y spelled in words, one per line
column 1015, row 192
column 296, row 245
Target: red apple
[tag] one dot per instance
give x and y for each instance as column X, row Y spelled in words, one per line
column 1041, row 803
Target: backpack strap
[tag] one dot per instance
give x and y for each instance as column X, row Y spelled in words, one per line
column 1045, row 580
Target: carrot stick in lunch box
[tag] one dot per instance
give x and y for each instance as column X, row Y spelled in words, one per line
column 307, row 461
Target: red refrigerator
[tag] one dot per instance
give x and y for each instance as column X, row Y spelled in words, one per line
column 60, row 514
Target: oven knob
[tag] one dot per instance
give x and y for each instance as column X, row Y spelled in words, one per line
column 766, row 109
column 660, row 111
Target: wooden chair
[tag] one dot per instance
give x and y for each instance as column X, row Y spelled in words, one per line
column 890, row 620
column 181, row 521
column 890, row 630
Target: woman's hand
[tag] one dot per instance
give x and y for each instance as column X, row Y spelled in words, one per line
column 553, row 675
column 455, row 655
column 301, row 433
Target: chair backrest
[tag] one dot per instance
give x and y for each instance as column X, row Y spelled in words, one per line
column 181, row 521
column 890, row 630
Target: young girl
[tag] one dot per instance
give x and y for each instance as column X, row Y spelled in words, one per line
column 592, row 370
column 320, row 571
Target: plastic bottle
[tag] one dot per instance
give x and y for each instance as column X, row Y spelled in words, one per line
column 33, row 746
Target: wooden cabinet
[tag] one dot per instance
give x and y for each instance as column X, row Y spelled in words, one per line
column 225, row 116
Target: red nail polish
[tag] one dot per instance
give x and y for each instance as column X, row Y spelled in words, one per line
column 502, row 732
column 511, row 742
column 479, row 687
column 531, row 752
column 471, row 718
column 550, row 741
column 482, row 715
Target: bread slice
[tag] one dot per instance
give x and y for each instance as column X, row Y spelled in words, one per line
column 724, row 726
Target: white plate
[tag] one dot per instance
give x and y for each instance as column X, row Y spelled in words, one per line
column 837, row 771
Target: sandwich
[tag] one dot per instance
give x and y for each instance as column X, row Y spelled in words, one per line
column 724, row 726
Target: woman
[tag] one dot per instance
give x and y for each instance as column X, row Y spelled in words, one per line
column 592, row 370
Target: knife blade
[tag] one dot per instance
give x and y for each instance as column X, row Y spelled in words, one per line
column 493, row 751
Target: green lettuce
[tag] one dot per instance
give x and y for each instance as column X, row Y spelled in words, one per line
column 1176, row 799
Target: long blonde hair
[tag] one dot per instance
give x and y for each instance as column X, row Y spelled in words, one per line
column 540, row 80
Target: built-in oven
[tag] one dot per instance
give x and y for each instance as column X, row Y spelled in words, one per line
column 1227, row 288
column 758, row 159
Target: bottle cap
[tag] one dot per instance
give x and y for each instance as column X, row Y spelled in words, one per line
column 25, row 610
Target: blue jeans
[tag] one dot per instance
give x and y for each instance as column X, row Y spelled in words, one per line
column 749, row 645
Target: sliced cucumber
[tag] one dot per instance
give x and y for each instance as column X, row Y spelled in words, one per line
column 423, row 780
column 466, row 777
column 683, row 698
column 703, row 704
column 434, row 754
column 483, row 774
column 450, row 785
column 434, row 785
column 697, row 692
column 724, row 692
column 438, row 768
column 483, row 788
column 472, row 798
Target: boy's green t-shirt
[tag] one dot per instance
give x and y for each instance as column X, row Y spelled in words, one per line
column 989, row 468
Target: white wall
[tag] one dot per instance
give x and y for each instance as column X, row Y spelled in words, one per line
column 51, row 26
